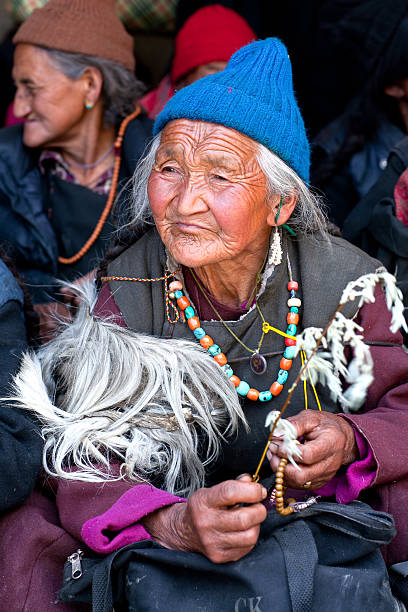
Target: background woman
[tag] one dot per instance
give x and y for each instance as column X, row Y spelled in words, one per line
column 74, row 72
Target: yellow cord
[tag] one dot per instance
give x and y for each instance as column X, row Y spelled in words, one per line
column 303, row 357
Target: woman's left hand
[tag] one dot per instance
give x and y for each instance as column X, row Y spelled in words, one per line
column 329, row 443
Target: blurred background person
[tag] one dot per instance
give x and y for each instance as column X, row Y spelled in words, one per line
column 203, row 46
column 351, row 152
column 61, row 170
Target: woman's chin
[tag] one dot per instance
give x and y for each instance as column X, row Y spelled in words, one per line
column 33, row 137
column 192, row 257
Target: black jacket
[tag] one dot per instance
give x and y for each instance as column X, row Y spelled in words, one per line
column 20, row 441
column 25, row 227
column 373, row 226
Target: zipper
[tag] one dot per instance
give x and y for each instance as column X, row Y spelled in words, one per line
column 76, row 566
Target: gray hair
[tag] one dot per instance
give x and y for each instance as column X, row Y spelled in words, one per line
column 120, row 87
column 307, row 218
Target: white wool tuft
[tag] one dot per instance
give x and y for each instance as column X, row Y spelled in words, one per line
column 158, row 407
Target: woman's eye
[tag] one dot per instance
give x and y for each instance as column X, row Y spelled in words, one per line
column 169, row 169
column 219, row 177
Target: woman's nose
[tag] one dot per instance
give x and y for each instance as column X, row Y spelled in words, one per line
column 191, row 200
column 21, row 105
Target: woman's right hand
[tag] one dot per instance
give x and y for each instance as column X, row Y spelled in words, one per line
column 213, row 521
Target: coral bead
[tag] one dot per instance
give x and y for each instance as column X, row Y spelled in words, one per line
column 293, row 285
column 275, row 388
column 290, row 342
column 193, row 322
column 206, row 342
column 183, row 302
column 220, row 359
column 175, row 286
column 285, row 364
column 292, row 317
column 235, row 380
column 253, row 395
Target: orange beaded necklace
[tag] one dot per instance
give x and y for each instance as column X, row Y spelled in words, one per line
column 242, row 387
column 109, row 203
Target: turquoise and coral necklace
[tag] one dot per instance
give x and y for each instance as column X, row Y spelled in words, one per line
column 242, row 387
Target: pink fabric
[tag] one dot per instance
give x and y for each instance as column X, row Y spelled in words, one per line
column 401, row 197
column 154, row 101
column 11, row 119
column 106, row 308
column 359, row 475
column 119, row 526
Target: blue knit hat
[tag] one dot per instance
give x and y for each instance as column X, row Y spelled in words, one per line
column 254, row 95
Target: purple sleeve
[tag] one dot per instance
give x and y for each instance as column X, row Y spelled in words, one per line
column 380, row 430
column 358, row 476
column 106, row 307
column 120, row 525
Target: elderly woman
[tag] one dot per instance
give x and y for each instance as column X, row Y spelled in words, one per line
column 179, row 351
column 61, row 171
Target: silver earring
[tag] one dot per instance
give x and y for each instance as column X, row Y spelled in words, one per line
column 275, row 251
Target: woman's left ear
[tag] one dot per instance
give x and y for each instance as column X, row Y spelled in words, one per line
column 281, row 209
column 93, row 83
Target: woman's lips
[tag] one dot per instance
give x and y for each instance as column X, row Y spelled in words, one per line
column 189, row 226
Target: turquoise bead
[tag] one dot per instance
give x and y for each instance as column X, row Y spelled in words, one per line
column 199, row 333
column 292, row 309
column 291, row 329
column 214, row 350
column 189, row 312
column 290, row 352
column 265, row 396
column 243, row 388
column 227, row 369
column 282, row 377
column 178, row 294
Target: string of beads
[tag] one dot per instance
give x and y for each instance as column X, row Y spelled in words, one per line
column 111, row 197
column 242, row 387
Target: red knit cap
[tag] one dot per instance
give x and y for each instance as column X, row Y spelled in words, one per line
column 211, row 34
column 79, row 26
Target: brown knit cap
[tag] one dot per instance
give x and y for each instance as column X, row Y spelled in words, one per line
column 79, row 26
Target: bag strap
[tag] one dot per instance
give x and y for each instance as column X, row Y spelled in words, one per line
column 300, row 553
column 102, row 599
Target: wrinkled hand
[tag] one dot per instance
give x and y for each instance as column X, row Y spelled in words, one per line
column 329, row 444
column 51, row 315
column 212, row 521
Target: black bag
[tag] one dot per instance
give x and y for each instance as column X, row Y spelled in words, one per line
column 325, row 558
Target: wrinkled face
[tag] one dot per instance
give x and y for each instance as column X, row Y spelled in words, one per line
column 51, row 104
column 208, row 194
